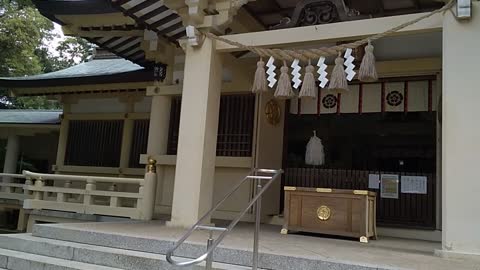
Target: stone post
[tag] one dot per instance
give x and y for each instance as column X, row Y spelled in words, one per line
column 148, row 191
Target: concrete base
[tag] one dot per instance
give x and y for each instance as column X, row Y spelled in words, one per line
column 457, row 255
column 426, row 235
column 48, row 216
column 292, row 251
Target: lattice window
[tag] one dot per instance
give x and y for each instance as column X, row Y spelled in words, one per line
column 235, row 126
column 139, row 142
column 94, row 143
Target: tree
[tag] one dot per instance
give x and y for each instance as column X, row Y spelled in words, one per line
column 73, row 50
column 24, row 38
column 22, row 30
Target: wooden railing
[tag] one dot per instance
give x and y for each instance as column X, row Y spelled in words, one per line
column 110, row 196
column 92, row 194
column 12, row 187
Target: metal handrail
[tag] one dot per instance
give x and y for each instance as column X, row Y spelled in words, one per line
column 211, row 245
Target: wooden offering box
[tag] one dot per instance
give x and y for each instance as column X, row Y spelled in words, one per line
column 340, row 212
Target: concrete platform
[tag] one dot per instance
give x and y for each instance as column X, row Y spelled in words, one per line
column 293, row 251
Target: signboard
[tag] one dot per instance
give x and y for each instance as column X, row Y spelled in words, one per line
column 414, row 184
column 374, row 181
column 389, row 186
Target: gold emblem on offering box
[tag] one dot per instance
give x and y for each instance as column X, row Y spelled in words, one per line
column 272, row 112
column 323, row 213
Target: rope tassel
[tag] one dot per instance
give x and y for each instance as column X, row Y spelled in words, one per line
column 309, row 87
column 338, row 81
column 284, row 86
column 368, row 71
column 260, row 80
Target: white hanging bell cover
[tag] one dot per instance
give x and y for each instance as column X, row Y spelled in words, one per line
column 315, row 155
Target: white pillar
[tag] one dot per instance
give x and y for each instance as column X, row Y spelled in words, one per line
column 11, row 155
column 159, row 124
column 158, row 138
column 195, row 169
column 127, row 137
column 460, row 135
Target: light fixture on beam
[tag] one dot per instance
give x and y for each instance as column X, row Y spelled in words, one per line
column 194, row 38
column 464, row 9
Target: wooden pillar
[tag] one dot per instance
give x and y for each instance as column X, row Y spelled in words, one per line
column 158, row 139
column 194, row 174
column 11, row 155
column 159, row 124
column 127, row 137
column 63, row 136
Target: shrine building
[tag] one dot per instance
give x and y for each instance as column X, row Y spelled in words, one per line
column 161, row 122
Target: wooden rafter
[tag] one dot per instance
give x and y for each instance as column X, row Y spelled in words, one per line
column 143, row 19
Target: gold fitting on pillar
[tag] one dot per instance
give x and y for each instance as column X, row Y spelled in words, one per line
column 152, row 165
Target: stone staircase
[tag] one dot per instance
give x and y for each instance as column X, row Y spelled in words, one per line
column 35, row 252
column 141, row 246
column 53, row 246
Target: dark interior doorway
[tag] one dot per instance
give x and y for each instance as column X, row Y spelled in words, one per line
column 357, row 145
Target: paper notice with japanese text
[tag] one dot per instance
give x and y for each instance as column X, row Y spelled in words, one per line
column 414, row 184
column 374, row 181
column 389, row 186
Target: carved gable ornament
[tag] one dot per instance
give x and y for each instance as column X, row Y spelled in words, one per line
column 313, row 12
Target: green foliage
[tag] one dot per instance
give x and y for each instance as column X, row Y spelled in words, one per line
column 21, row 32
column 73, row 50
column 25, row 36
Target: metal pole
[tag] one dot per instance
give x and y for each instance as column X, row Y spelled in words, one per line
column 209, row 260
column 258, row 210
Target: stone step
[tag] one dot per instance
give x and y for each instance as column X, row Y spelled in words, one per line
column 92, row 254
column 16, row 260
column 192, row 250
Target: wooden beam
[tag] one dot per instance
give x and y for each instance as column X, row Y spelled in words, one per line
column 165, row 90
column 333, row 32
column 245, row 22
column 91, row 34
column 96, row 19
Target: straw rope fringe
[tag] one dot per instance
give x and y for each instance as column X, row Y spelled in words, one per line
column 304, row 55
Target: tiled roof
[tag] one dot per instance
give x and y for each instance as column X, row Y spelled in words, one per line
column 42, row 117
column 96, row 67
